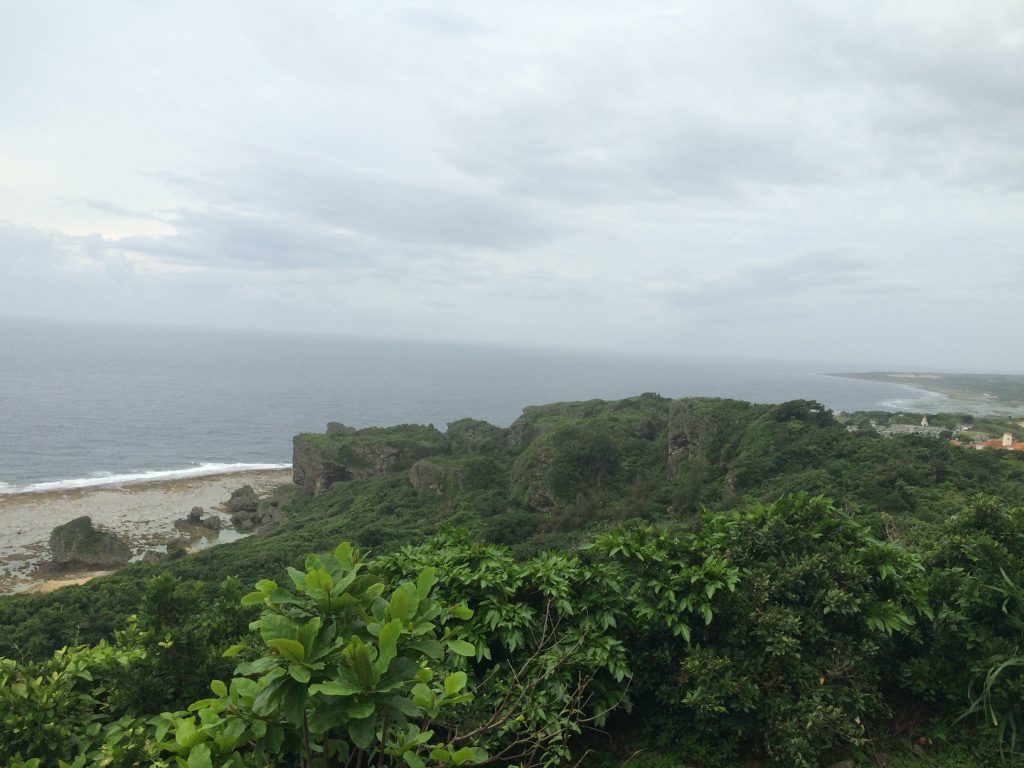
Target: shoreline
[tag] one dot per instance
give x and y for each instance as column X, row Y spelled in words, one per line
column 139, row 478
column 939, row 395
column 142, row 513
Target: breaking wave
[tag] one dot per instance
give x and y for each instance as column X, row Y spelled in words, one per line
column 100, row 480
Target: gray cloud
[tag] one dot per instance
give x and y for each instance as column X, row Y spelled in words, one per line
column 104, row 206
column 304, row 192
column 617, row 175
column 807, row 279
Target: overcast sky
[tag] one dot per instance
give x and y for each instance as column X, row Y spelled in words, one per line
column 814, row 180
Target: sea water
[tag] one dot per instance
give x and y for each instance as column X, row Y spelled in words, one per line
column 84, row 405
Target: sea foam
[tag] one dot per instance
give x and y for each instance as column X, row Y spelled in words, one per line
column 134, row 478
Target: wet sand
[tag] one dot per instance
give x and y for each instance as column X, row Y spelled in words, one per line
column 142, row 514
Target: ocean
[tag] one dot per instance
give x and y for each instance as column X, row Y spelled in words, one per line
column 87, row 405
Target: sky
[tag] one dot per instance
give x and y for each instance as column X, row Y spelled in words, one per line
column 799, row 180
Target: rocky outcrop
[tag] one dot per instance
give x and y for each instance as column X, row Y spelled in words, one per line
column 79, row 544
column 243, row 499
column 426, row 475
column 248, row 511
column 337, row 428
column 688, row 430
column 344, row 453
column 472, row 436
column 434, row 475
column 311, row 471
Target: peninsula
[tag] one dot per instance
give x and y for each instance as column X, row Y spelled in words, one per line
column 998, row 392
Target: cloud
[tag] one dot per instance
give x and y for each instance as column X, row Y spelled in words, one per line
column 573, row 173
column 298, row 213
column 112, row 209
column 805, row 280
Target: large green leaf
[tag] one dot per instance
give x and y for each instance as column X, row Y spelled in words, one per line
column 401, row 706
column 427, row 579
column 307, row 635
column 293, row 702
column 359, row 710
column 344, row 554
column 289, row 649
column 361, row 732
column 454, row 683
column 362, row 665
column 263, row 704
column 428, row 646
column 320, row 580
column 199, row 757
column 298, row 578
column 404, row 601
column 387, row 645
column 461, row 647
column 335, row 688
column 322, row 719
column 273, row 626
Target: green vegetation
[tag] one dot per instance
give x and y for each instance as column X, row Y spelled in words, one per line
column 699, row 582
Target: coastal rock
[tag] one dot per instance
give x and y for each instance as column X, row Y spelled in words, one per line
column 320, row 461
column 313, row 472
column 196, row 514
column 243, row 521
column 212, row 523
column 243, row 500
column 337, row 428
column 78, row 543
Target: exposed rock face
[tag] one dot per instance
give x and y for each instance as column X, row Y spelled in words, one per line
column 316, row 469
column 78, row 543
column 523, row 431
column 688, row 431
column 313, row 472
column 243, row 521
column 424, row 474
column 213, row 523
column 337, row 428
column 243, row 500
column 248, row 511
column 433, row 475
column 474, row 436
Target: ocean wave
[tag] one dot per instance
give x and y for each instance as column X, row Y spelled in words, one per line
column 133, row 478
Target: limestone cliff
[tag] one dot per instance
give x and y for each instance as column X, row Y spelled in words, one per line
column 344, row 453
column 311, row 470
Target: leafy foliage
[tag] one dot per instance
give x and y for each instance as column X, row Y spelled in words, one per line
column 652, row 567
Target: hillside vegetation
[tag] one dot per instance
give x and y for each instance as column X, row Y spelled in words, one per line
column 667, row 582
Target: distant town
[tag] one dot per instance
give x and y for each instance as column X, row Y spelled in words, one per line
column 960, row 429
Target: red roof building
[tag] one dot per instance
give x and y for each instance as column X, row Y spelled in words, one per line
column 1007, row 443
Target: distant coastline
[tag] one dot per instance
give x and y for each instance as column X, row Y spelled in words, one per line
column 981, row 393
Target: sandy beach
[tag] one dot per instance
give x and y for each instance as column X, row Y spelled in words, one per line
column 142, row 514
